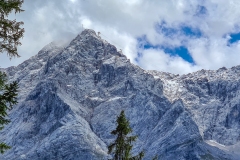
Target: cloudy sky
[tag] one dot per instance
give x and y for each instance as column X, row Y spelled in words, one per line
column 177, row 36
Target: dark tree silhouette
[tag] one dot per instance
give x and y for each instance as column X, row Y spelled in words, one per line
column 8, row 97
column 121, row 148
column 10, row 31
column 10, row 34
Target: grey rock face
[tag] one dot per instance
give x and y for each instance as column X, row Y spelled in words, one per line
column 212, row 97
column 70, row 97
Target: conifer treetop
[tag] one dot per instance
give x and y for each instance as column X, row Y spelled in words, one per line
column 122, row 146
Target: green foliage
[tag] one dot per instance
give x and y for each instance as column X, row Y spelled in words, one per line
column 10, row 34
column 8, row 98
column 122, row 146
column 3, row 147
column 11, row 31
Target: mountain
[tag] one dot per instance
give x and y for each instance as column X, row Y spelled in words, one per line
column 70, row 98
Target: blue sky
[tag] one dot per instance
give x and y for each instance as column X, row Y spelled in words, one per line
column 234, row 38
column 177, row 36
column 180, row 50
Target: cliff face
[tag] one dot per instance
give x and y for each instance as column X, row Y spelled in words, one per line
column 212, row 98
column 70, row 97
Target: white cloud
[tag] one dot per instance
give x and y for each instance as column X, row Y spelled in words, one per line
column 155, row 59
column 215, row 53
column 122, row 22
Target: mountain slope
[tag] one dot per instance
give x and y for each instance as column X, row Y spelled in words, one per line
column 212, row 97
column 70, row 97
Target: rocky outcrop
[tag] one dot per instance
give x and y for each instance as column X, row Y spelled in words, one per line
column 212, row 97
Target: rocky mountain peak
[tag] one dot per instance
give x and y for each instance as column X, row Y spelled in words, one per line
column 71, row 95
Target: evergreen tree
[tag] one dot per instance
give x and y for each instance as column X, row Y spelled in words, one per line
column 122, row 146
column 8, row 97
column 11, row 31
column 10, row 34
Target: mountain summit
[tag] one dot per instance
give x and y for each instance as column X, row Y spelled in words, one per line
column 70, row 97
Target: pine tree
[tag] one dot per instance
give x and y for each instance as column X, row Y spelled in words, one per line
column 8, row 97
column 10, row 34
column 122, row 146
column 11, row 31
